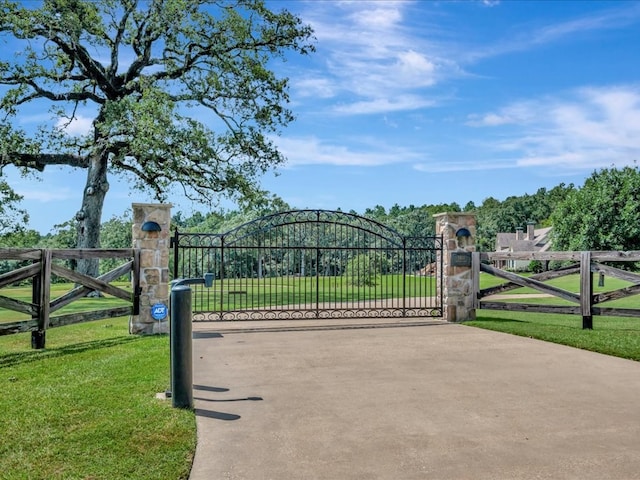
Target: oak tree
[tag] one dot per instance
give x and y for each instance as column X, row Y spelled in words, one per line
column 181, row 93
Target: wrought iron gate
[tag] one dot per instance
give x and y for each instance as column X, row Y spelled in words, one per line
column 311, row 264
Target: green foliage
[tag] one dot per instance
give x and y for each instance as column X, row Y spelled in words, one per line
column 602, row 215
column 363, row 270
column 17, row 239
column 115, row 233
column 63, row 236
column 20, row 239
column 181, row 93
column 11, row 217
column 494, row 216
column 410, row 221
column 221, row 221
column 535, row 266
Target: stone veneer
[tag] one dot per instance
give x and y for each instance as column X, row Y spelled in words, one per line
column 457, row 282
column 154, row 266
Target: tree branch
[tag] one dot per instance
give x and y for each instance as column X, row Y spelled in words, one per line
column 115, row 45
column 90, row 67
column 57, row 97
column 39, row 161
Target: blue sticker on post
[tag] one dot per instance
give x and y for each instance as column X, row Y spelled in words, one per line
column 159, row 311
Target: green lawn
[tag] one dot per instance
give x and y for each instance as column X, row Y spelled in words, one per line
column 58, row 289
column 290, row 290
column 618, row 336
column 85, row 407
column 571, row 283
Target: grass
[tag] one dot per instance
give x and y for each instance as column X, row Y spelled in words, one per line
column 617, row 336
column 290, row 290
column 24, row 293
column 85, row 407
column 256, row 292
column 571, row 283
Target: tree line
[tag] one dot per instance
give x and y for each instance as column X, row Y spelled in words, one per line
column 602, row 214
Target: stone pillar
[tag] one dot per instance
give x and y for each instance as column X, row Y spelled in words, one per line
column 154, row 267
column 458, row 230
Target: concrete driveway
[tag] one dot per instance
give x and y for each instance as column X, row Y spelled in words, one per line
column 437, row 401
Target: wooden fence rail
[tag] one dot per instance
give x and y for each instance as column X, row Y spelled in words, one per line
column 586, row 302
column 41, row 269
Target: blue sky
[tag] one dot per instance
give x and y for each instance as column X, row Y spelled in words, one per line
column 434, row 102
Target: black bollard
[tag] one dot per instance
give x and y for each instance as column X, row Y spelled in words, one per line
column 181, row 348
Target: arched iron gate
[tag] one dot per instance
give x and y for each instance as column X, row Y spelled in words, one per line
column 311, row 264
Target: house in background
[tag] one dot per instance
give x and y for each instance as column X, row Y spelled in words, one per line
column 533, row 240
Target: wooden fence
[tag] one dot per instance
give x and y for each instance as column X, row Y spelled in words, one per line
column 583, row 263
column 42, row 264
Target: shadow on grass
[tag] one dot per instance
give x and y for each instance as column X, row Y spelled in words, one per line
column 496, row 320
column 11, row 359
column 523, row 327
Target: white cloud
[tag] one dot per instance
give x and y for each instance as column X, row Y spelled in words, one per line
column 586, row 129
column 373, row 61
column 488, row 120
column 312, row 151
column 79, row 125
column 383, row 105
column 381, row 16
column 610, row 19
column 520, row 112
column 415, row 69
column 623, row 14
column 440, row 167
column 25, row 119
column 46, row 195
column 314, row 87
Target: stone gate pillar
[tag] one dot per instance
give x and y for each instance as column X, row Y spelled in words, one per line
column 151, row 236
column 458, row 230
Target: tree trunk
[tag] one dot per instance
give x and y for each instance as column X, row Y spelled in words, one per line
column 90, row 215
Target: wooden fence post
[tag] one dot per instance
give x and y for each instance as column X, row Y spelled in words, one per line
column 475, row 279
column 41, row 298
column 586, row 290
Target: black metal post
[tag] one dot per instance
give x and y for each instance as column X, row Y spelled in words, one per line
column 181, row 343
column 181, row 348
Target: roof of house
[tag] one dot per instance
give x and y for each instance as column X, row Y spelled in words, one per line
column 509, row 242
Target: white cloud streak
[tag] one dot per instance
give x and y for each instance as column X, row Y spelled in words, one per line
column 312, row 151
column 624, row 14
column 44, row 196
column 591, row 128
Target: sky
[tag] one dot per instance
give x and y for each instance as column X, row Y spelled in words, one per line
column 430, row 102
